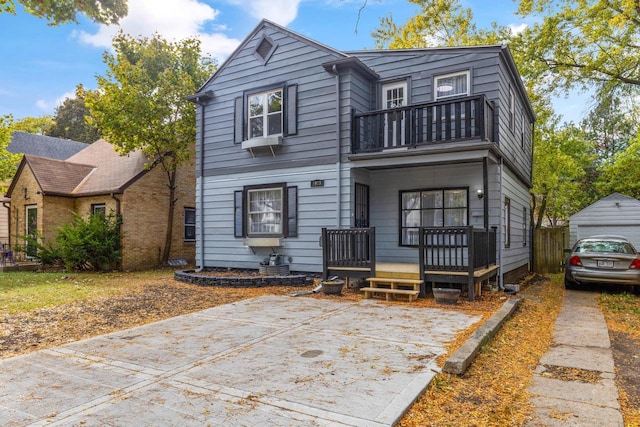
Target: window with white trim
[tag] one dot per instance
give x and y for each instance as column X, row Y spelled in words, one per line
column 189, row 224
column 265, row 114
column 512, row 109
column 431, row 208
column 450, row 85
column 266, row 211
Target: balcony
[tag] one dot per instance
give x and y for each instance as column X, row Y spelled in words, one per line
column 456, row 120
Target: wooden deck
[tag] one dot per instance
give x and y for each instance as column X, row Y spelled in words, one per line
column 401, row 271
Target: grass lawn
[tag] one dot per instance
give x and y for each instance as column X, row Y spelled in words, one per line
column 25, row 292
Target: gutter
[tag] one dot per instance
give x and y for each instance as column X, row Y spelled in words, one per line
column 334, row 71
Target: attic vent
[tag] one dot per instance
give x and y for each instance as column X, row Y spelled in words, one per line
column 264, row 50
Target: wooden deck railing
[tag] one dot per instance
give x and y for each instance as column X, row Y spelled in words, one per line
column 459, row 119
column 352, row 250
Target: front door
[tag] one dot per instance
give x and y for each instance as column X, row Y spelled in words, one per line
column 31, row 231
column 394, row 95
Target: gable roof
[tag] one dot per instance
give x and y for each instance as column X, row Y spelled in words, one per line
column 265, row 23
column 98, row 169
column 44, row 146
column 614, row 197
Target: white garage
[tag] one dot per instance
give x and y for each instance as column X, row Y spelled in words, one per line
column 615, row 214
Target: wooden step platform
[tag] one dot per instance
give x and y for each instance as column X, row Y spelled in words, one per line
column 392, row 286
column 390, row 293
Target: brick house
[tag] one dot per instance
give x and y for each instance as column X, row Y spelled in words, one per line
column 41, row 145
column 45, row 193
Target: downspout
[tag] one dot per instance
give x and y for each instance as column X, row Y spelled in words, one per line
column 119, row 224
column 500, row 243
column 200, row 188
column 334, row 68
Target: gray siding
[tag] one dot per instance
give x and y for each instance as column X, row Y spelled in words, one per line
column 294, row 62
column 615, row 214
column 316, row 209
column 517, row 254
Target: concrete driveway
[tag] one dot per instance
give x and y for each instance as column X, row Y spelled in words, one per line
column 267, row 361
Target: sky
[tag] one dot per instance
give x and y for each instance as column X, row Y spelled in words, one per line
column 41, row 65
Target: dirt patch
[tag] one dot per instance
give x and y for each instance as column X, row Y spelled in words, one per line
column 626, row 355
column 142, row 304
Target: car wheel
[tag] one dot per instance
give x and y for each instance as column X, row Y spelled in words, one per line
column 569, row 285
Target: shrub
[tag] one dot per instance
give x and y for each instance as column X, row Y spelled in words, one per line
column 83, row 244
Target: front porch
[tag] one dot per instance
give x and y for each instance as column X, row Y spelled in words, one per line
column 447, row 255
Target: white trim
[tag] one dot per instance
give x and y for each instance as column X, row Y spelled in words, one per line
column 466, row 73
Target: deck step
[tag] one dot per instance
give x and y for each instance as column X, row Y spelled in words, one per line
column 389, row 293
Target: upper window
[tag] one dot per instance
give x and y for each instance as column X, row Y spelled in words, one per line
column 266, row 211
column 448, row 85
column 265, row 114
column 512, row 109
column 431, row 208
column 189, row 224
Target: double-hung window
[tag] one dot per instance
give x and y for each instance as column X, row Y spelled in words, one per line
column 266, row 211
column 265, row 208
column 431, row 208
column 450, row 85
column 189, row 224
column 265, row 114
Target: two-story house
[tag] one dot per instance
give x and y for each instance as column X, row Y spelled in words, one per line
column 295, row 137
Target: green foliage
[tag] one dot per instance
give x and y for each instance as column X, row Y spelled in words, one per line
column 141, row 104
column 439, row 23
column 621, row 175
column 65, row 11
column 578, row 44
column 83, row 244
column 69, row 122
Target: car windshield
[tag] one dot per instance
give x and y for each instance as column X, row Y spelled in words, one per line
column 605, row 246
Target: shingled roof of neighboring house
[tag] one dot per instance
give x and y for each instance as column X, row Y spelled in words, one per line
column 98, row 169
column 44, row 146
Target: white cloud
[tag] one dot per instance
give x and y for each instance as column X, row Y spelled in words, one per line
column 517, row 29
column 49, row 105
column 282, row 12
column 175, row 20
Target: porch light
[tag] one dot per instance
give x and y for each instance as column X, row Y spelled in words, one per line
column 480, row 193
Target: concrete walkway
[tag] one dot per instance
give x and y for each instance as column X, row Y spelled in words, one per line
column 269, row 361
column 574, row 383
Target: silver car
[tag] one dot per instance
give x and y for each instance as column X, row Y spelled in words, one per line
column 602, row 259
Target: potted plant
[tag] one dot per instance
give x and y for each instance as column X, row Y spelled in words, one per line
column 446, row 295
column 332, row 286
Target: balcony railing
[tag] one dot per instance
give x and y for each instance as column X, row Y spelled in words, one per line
column 460, row 119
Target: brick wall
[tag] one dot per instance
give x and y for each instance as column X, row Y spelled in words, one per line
column 145, row 209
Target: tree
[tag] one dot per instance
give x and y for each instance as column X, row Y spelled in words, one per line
column 70, row 122
column 439, row 23
column 65, row 11
column 578, row 44
column 621, row 175
column 141, row 104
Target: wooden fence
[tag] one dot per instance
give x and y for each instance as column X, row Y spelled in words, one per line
column 548, row 249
